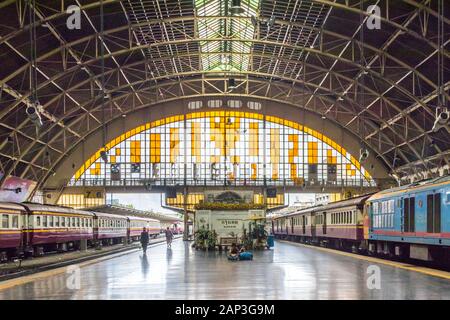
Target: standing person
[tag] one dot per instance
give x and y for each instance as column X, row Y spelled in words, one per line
column 169, row 237
column 144, row 240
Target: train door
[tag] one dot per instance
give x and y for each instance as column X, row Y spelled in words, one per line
column 409, row 209
column 324, row 223
column 434, row 213
column 304, row 224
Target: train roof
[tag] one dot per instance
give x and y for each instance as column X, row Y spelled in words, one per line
column 338, row 204
column 301, row 211
column 420, row 185
column 11, row 206
column 56, row 209
column 108, row 215
column 142, row 219
column 347, row 202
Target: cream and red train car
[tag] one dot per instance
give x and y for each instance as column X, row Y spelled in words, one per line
column 298, row 225
column 339, row 224
column 32, row 229
column 12, row 218
column 110, row 228
column 48, row 228
column 136, row 225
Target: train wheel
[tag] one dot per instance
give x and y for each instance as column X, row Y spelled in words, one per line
column 38, row 251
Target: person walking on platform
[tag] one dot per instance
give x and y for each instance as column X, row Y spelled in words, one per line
column 169, row 237
column 144, row 240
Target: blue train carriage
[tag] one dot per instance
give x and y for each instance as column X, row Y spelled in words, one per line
column 411, row 221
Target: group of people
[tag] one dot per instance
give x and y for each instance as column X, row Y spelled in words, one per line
column 237, row 253
column 145, row 238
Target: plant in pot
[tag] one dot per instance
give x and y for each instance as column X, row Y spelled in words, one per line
column 211, row 240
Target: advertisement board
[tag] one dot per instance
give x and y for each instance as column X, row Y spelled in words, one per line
column 16, row 189
column 226, row 223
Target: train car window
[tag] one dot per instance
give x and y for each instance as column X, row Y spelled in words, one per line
column 63, row 221
column 50, row 221
column 15, row 221
column 38, row 221
column 5, row 221
column 56, row 221
column 44, row 221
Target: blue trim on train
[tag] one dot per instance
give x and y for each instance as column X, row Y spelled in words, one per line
column 416, row 240
column 390, row 217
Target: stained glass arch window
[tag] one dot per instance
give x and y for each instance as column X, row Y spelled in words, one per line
column 224, row 148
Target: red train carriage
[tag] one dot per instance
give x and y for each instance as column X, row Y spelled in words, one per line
column 12, row 216
column 56, row 228
column 110, row 228
column 136, row 224
column 298, row 225
column 341, row 223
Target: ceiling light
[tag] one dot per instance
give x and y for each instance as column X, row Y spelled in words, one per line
column 236, row 7
column 231, row 84
column 34, row 115
column 254, row 21
column 271, row 22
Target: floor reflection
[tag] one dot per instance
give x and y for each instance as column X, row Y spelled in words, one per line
column 180, row 272
column 144, row 265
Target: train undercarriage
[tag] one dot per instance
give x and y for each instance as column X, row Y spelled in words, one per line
column 428, row 255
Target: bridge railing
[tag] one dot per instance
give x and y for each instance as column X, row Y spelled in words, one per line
column 220, row 183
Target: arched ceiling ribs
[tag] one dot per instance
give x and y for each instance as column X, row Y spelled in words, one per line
column 327, row 75
column 54, row 165
column 261, row 75
column 223, row 93
column 356, row 10
column 95, row 36
column 354, row 64
column 317, row 52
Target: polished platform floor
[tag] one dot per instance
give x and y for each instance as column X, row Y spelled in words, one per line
column 287, row 272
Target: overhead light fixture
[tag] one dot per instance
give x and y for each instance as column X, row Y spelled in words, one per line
column 363, row 154
column 231, row 84
column 395, row 176
column 254, row 21
column 104, row 156
column 324, row 116
column 34, row 115
column 271, row 22
column 236, row 7
column 442, row 119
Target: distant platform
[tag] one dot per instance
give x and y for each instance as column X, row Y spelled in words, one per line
column 289, row 271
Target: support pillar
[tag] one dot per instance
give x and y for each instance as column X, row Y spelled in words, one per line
column 186, row 216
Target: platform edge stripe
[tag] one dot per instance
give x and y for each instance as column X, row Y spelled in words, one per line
column 405, row 266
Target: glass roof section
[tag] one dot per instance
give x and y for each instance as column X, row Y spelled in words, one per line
column 226, row 46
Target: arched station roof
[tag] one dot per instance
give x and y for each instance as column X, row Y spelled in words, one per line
column 318, row 55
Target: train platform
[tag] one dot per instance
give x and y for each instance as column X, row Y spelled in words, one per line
column 290, row 271
column 54, row 260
